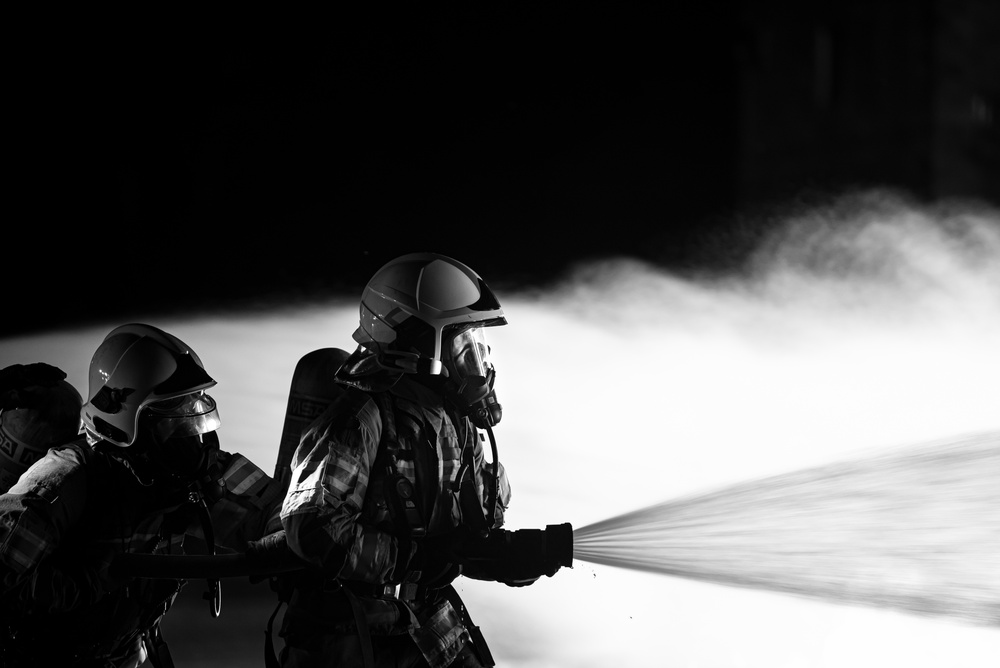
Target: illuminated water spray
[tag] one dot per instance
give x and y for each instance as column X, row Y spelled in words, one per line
column 914, row 529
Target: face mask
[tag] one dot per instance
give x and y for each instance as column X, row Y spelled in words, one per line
column 472, row 377
column 177, row 441
column 186, row 458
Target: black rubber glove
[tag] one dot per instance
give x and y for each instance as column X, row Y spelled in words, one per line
column 432, row 562
column 270, row 555
column 512, row 574
column 273, row 546
column 515, row 558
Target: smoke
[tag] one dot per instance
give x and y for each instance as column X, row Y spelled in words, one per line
column 874, row 258
column 881, row 250
column 860, row 326
column 865, row 324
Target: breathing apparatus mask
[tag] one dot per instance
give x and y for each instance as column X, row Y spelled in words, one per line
column 471, row 377
column 183, row 435
column 177, row 440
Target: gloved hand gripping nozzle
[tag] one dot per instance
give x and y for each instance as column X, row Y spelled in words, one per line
column 517, row 557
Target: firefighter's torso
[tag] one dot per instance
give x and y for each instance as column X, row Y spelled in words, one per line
column 427, row 445
column 97, row 508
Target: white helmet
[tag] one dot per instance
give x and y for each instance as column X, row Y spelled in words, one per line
column 413, row 303
column 142, row 370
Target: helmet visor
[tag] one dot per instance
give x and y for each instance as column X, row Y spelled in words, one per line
column 470, row 356
column 188, row 415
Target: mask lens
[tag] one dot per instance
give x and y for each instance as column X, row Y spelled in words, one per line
column 190, row 415
column 469, row 353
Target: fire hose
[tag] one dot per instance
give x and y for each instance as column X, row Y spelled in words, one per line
column 197, row 567
column 514, row 557
column 519, row 550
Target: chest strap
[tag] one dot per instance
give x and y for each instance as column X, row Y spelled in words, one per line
column 398, row 491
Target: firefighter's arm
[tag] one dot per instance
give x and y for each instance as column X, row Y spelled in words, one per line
column 321, row 513
column 62, row 584
column 36, row 515
column 249, row 503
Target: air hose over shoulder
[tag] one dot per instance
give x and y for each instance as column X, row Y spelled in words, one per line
column 469, row 499
column 491, row 503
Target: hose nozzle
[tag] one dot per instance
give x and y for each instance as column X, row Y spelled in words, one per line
column 521, row 554
column 559, row 543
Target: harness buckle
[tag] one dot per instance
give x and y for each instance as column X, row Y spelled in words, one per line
column 408, row 592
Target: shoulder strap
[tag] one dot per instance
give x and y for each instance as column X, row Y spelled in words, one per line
column 388, row 448
column 397, row 490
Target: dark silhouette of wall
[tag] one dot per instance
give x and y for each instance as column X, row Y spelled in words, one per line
column 267, row 166
column 856, row 94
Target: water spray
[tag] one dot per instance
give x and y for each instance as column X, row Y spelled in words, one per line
column 915, row 529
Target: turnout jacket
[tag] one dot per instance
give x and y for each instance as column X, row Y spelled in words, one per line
column 337, row 518
column 65, row 519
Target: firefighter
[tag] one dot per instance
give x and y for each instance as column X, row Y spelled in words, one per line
column 393, row 478
column 38, row 410
column 147, row 476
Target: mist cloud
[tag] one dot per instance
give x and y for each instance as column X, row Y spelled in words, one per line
column 867, row 322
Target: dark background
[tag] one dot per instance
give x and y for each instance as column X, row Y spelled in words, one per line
column 163, row 164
